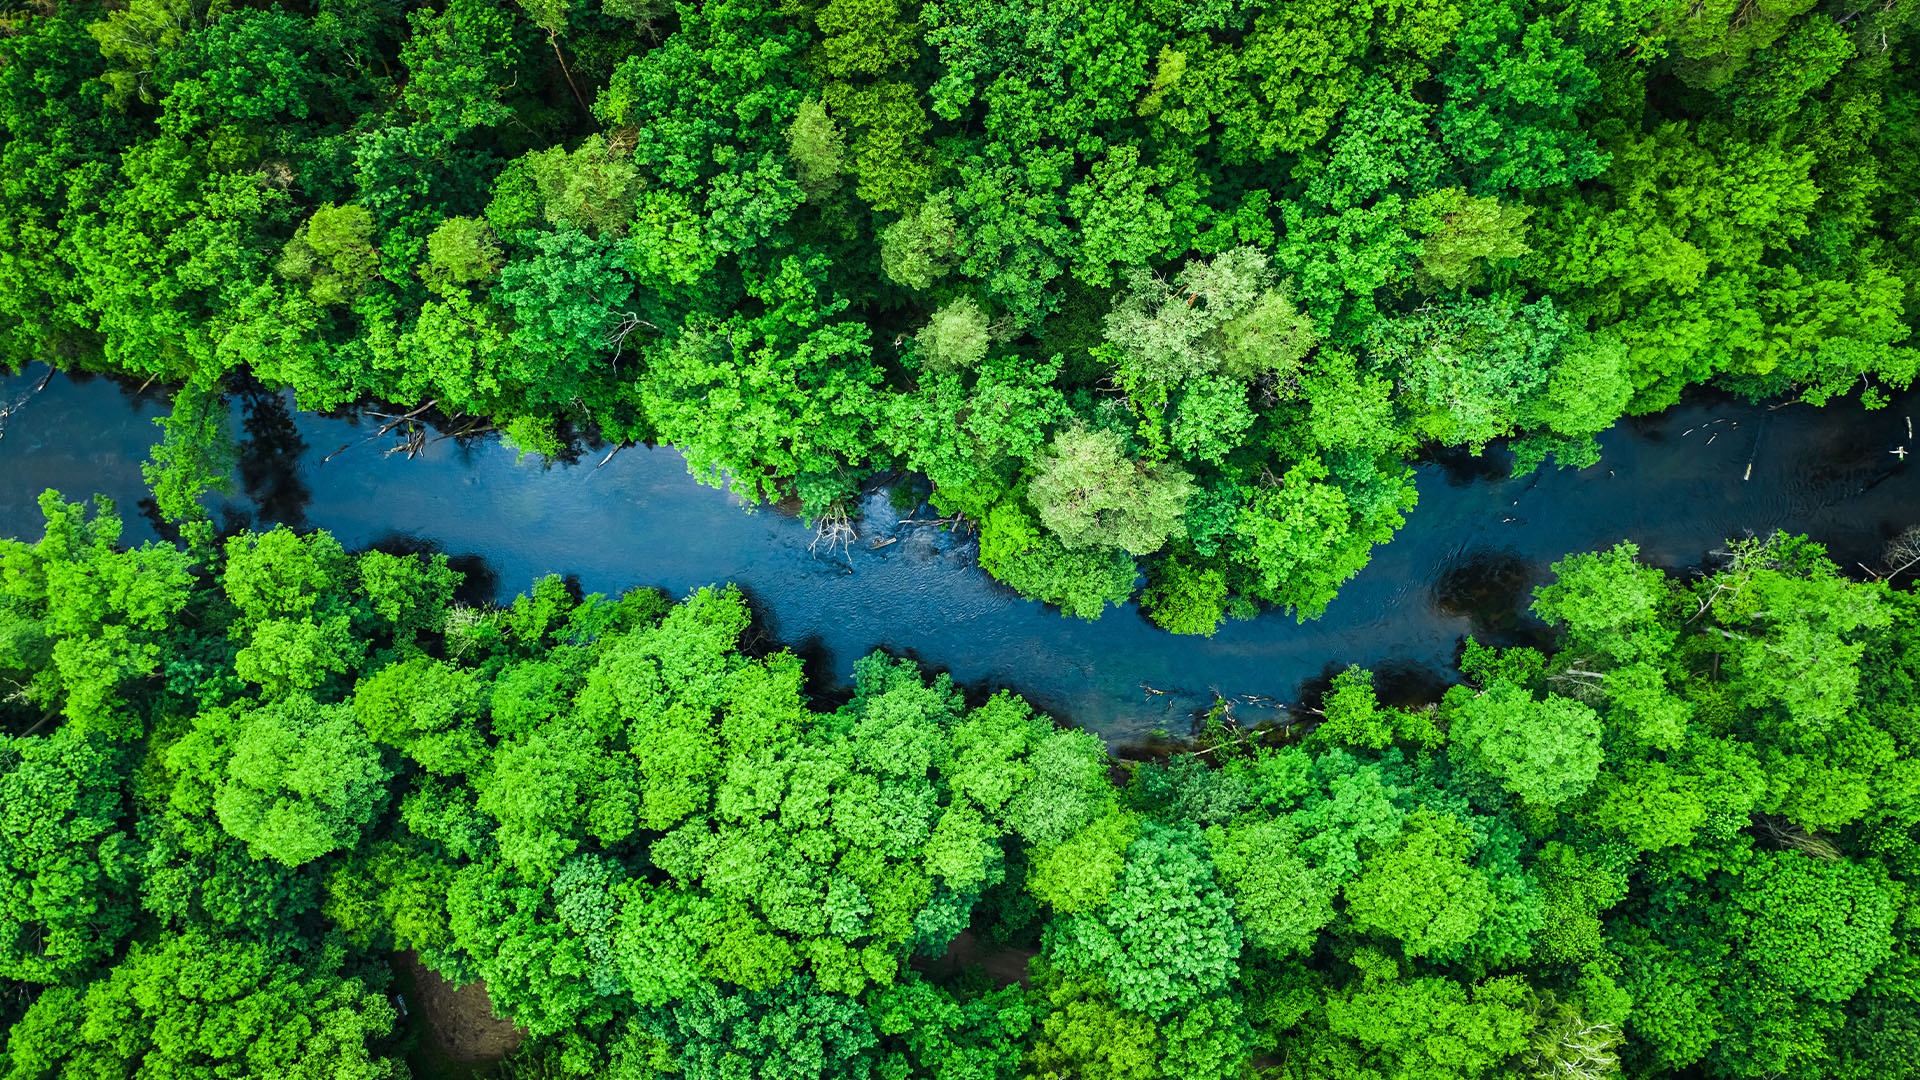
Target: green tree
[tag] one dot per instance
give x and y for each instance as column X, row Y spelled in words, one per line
column 67, row 867
column 918, row 249
column 105, row 612
column 1818, row 928
column 956, row 339
column 1185, row 599
column 430, row 710
column 1546, row 752
column 333, row 252
column 1427, row 1027
column 1090, row 494
column 197, row 1004
column 1167, row 939
column 1420, row 890
column 818, row 150
column 294, row 780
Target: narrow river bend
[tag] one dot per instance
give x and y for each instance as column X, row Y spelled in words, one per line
column 1470, row 553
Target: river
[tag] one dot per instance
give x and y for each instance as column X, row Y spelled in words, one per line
column 1677, row 484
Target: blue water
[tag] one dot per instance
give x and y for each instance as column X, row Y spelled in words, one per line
column 1469, row 555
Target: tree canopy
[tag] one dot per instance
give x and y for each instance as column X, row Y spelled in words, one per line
column 1655, row 847
column 1260, row 253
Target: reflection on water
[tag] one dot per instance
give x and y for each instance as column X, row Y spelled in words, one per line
column 270, row 457
column 1466, row 562
column 1490, row 588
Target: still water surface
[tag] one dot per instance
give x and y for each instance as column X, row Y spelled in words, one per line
column 1465, row 562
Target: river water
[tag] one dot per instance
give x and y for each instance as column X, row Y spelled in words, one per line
column 1677, row 484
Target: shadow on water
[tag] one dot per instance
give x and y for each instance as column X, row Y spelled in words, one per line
column 479, row 584
column 1677, row 484
column 1491, row 588
column 270, row 458
column 1406, row 684
column 1397, row 683
column 1463, row 469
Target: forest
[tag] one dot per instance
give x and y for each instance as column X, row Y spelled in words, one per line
column 1158, row 302
column 1137, row 287
column 1679, row 843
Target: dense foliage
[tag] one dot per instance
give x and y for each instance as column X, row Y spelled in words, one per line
column 238, row 776
column 1124, row 279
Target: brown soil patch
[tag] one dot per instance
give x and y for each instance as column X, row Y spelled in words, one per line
column 460, row 1022
column 1005, row 965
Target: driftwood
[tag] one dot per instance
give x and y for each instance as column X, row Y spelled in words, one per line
column 1904, row 550
column 416, row 441
column 835, row 530
column 7, row 411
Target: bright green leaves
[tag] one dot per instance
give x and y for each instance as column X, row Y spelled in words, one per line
column 106, row 612
column 918, row 249
column 1609, row 602
column 1278, row 90
column 1658, row 804
column 294, row 620
column 461, row 250
column 1818, row 927
column 1795, row 637
column 299, row 779
column 1090, row 495
column 1676, row 194
column 863, row 37
column 1166, row 940
column 137, row 40
column 460, row 61
column 782, row 400
column 1017, row 550
column 196, row 1004
column 1686, row 259
column 1079, row 873
column 1123, row 220
column 818, row 150
column 590, row 189
column 408, row 594
column 625, row 826
column 1469, row 365
column 1301, row 538
column 1466, row 235
column 333, row 252
column 1420, row 890
column 1225, row 315
column 1425, row 1028
column 927, row 1032
column 279, row 574
column 891, row 160
column 550, row 789
column 1281, row 900
column 565, row 301
column 1351, row 713
column 1546, row 752
column 1185, row 599
column 426, row 708
column 1513, row 90
column 793, row 1029
column 66, row 867
column 1086, row 1034
column 246, row 67
column 956, row 339
column 288, row 655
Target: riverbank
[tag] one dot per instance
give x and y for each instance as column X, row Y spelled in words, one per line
column 1466, row 562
